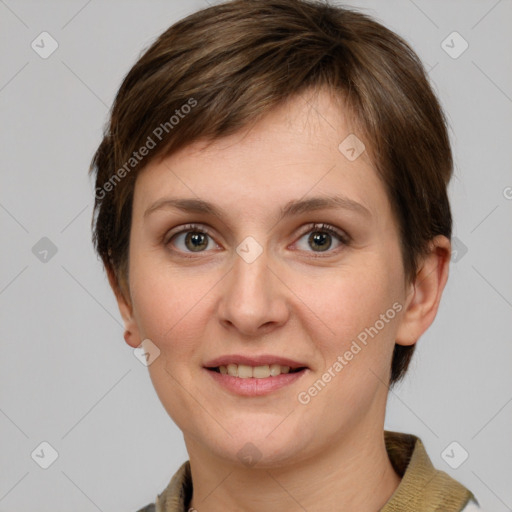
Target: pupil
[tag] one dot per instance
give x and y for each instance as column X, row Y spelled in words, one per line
column 320, row 238
column 197, row 241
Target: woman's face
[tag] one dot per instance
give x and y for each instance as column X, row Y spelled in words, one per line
column 242, row 271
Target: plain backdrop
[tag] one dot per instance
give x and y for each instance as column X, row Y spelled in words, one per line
column 68, row 379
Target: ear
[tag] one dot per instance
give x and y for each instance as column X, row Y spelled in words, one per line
column 424, row 294
column 122, row 294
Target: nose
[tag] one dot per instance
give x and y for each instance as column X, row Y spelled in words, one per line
column 254, row 299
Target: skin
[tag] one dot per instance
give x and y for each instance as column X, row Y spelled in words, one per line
column 294, row 300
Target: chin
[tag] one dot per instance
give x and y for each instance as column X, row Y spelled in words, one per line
column 261, row 443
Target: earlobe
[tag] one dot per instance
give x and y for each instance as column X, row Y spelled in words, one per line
column 425, row 293
column 131, row 333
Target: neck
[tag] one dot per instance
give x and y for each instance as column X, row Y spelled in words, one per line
column 354, row 474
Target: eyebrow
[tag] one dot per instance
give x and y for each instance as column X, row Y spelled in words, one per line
column 294, row 207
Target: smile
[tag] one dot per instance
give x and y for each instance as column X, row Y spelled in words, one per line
column 244, row 371
column 254, row 376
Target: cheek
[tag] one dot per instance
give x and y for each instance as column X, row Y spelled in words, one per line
column 170, row 309
column 165, row 297
column 355, row 335
column 356, row 305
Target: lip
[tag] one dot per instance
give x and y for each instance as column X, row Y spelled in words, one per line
column 252, row 386
column 253, row 361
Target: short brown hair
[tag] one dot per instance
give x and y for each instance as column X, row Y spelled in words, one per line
column 231, row 63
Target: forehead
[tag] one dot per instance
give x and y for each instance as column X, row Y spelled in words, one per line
column 307, row 146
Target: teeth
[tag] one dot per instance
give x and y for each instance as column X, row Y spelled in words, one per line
column 275, row 369
column 244, row 371
column 232, row 370
column 261, row 372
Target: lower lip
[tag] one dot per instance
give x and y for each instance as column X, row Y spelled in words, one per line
column 253, row 386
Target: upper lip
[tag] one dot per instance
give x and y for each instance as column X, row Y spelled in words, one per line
column 260, row 360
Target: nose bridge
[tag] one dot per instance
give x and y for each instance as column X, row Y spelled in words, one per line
column 251, row 268
column 252, row 297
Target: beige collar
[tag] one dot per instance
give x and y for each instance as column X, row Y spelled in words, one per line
column 422, row 488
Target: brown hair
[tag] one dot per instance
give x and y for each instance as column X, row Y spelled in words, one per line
column 221, row 68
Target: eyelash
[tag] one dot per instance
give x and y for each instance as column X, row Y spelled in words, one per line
column 343, row 237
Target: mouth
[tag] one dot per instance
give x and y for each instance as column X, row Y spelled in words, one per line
column 254, row 376
column 244, row 371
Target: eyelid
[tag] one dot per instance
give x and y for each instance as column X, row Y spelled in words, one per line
column 168, row 235
column 322, row 226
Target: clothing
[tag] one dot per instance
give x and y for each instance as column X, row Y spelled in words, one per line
column 422, row 488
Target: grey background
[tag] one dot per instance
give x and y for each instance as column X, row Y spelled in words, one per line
column 66, row 375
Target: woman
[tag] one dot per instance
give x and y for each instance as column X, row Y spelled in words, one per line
column 272, row 214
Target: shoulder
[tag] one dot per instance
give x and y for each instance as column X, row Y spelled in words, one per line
column 176, row 495
column 422, row 486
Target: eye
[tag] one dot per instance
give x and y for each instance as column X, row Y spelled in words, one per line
column 192, row 238
column 319, row 237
